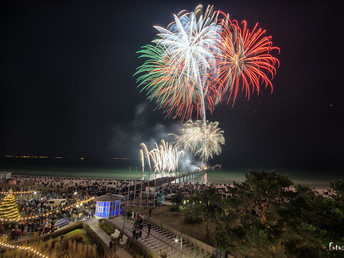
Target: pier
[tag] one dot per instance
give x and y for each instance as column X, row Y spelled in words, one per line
column 150, row 187
column 189, row 175
column 186, row 176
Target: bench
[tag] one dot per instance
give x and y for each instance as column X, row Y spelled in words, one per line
column 115, row 234
column 123, row 241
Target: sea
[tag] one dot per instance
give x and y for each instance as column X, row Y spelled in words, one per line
column 131, row 169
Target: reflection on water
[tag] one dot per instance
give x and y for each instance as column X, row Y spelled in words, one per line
column 122, row 171
column 228, row 176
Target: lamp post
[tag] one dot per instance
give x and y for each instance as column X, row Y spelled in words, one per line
column 135, row 186
column 142, row 179
column 176, row 240
column 129, row 185
column 125, row 214
column 181, row 247
column 154, row 189
column 148, row 189
column 76, row 195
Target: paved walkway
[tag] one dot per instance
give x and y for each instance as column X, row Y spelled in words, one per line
column 160, row 241
column 93, row 223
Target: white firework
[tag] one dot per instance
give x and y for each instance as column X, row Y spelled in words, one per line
column 202, row 141
column 190, row 44
column 164, row 157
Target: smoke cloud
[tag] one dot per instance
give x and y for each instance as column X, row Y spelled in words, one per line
column 144, row 129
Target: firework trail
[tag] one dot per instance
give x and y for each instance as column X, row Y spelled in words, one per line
column 146, row 153
column 165, row 158
column 245, row 60
column 202, row 141
column 142, row 160
column 181, row 63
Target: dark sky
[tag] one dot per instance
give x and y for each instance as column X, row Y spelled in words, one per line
column 67, row 85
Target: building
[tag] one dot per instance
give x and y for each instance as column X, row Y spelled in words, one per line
column 108, row 205
column 5, row 175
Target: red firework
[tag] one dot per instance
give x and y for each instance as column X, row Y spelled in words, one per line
column 245, row 60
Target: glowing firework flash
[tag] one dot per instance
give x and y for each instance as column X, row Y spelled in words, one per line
column 245, row 58
column 142, row 160
column 145, row 150
column 164, row 157
column 181, row 63
column 203, row 141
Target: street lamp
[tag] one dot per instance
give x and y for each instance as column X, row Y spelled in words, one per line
column 176, row 240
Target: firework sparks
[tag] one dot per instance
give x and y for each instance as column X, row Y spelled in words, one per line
column 203, row 141
column 245, row 60
column 165, row 158
column 180, row 64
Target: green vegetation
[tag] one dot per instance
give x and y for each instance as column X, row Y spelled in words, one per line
column 177, row 200
column 71, row 241
column 107, row 226
column 59, row 247
column 264, row 217
column 79, row 236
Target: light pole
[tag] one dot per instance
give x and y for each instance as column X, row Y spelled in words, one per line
column 125, row 214
column 142, row 179
column 76, row 196
column 148, row 189
column 135, row 186
column 176, row 240
column 129, row 186
column 154, row 189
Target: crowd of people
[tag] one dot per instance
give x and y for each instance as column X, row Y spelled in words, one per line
column 40, row 225
column 75, row 189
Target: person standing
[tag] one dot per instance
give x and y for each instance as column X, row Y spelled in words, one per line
column 140, row 232
column 134, row 233
column 112, row 244
column 149, row 228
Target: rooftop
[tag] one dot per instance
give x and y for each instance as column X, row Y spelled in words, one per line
column 109, row 197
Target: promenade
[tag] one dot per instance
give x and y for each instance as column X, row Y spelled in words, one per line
column 160, row 242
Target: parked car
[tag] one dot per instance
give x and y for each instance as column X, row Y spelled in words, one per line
column 61, row 223
column 55, row 202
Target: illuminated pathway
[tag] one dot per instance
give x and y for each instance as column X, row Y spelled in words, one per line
column 160, row 241
column 25, row 248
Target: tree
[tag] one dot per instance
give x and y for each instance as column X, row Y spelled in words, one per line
column 312, row 222
column 177, row 199
column 259, row 191
column 338, row 187
column 192, row 210
column 250, row 220
column 211, row 206
column 9, row 208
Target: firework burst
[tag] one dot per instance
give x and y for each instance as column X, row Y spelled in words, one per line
column 165, row 158
column 180, row 64
column 245, row 60
column 202, row 141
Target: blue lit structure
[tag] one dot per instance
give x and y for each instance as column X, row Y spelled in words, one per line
column 108, row 206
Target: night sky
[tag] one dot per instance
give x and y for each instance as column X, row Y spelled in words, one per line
column 67, row 85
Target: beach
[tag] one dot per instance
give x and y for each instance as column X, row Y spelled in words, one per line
column 123, row 170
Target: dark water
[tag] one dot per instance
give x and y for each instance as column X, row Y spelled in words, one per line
column 120, row 169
